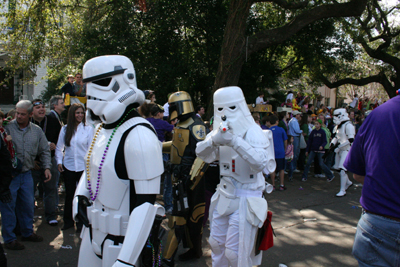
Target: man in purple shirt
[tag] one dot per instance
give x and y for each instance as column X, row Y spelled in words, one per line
column 158, row 123
column 161, row 126
column 374, row 160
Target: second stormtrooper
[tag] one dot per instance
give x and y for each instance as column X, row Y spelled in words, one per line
column 237, row 208
column 340, row 144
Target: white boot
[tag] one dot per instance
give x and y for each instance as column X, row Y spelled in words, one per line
column 344, row 180
column 348, row 183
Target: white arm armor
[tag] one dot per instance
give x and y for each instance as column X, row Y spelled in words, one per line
column 143, row 160
column 271, row 166
column 206, row 150
column 334, row 141
column 80, row 190
column 254, row 149
column 350, row 130
column 139, row 227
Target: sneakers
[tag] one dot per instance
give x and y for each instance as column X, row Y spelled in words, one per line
column 330, row 180
column 304, row 179
column 320, row 176
column 14, row 245
column 33, row 238
column 53, row 222
column 296, row 170
column 285, row 172
column 282, row 188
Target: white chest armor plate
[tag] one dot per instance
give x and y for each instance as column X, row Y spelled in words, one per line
column 341, row 134
column 232, row 165
column 110, row 211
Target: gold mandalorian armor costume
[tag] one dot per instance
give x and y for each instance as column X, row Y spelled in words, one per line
column 188, row 187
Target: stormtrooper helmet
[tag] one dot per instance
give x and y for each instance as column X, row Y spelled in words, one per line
column 110, row 86
column 180, row 104
column 340, row 115
column 230, row 104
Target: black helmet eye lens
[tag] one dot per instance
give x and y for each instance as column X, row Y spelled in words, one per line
column 220, row 109
column 232, row 107
column 103, row 82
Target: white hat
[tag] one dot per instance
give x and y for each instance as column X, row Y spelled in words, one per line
column 296, row 112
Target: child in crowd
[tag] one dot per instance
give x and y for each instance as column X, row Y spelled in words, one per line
column 289, row 156
column 280, row 144
column 315, row 147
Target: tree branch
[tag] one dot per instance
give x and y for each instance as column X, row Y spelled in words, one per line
column 285, row 4
column 380, row 78
column 279, row 35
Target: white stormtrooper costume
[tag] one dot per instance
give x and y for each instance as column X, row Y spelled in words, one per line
column 341, row 143
column 237, row 208
column 123, row 168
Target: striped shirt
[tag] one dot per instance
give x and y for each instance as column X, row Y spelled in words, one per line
column 29, row 143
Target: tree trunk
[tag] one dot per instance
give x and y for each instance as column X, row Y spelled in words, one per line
column 233, row 50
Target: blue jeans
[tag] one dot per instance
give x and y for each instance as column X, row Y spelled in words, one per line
column 324, row 168
column 21, row 206
column 167, row 195
column 50, row 193
column 377, row 241
column 296, row 151
column 289, row 167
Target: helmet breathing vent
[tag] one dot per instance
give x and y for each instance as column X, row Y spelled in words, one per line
column 126, row 96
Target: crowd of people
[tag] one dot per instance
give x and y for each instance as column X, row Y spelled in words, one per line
column 37, row 147
column 309, row 130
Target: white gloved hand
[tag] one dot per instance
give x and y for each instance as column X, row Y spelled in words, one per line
column 337, row 150
column 222, row 139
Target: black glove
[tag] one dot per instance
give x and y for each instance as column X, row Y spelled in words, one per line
column 83, row 203
column 6, row 196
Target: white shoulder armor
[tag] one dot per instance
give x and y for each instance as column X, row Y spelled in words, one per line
column 143, row 158
column 256, row 137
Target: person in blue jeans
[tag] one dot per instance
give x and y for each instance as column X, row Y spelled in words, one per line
column 315, row 146
column 295, row 131
column 162, row 127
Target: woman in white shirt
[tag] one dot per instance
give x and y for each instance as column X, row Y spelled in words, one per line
column 74, row 140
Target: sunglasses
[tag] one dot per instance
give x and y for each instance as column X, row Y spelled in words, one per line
column 37, row 103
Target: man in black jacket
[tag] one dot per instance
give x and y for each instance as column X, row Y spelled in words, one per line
column 51, row 126
column 5, row 180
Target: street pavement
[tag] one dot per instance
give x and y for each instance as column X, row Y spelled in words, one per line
column 312, row 227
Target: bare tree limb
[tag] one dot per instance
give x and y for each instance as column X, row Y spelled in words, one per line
column 276, row 36
column 286, row 4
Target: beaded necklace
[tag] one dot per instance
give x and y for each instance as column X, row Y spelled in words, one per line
column 93, row 195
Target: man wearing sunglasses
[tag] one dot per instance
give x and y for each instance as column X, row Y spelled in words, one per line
column 51, row 128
